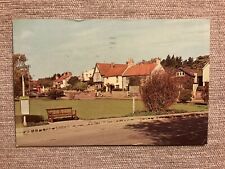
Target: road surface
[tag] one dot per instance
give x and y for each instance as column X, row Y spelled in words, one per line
column 165, row 131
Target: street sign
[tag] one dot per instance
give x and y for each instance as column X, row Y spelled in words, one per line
column 24, row 105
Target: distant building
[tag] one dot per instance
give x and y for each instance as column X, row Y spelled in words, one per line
column 203, row 80
column 35, row 87
column 87, row 75
column 62, row 81
column 194, row 79
column 205, row 74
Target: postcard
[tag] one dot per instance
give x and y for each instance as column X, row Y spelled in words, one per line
column 111, row 81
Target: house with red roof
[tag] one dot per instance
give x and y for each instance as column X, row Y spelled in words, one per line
column 117, row 76
column 142, row 71
column 62, row 81
column 109, row 75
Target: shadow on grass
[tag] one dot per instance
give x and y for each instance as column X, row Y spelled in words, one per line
column 174, row 131
column 32, row 120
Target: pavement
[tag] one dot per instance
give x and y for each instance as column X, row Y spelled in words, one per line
column 176, row 129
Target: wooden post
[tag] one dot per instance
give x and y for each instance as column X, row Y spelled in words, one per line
column 23, row 86
column 133, row 104
column 24, row 121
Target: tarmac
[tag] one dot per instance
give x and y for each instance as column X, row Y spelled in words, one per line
column 173, row 129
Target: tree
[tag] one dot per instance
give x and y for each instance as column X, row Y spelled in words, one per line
column 55, row 93
column 20, row 68
column 159, row 92
column 168, row 60
column 185, row 95
column 201, row 61
column 134, row 81
column 54, row 76
column 172, row 62
column 73, row 80
column 178, row 62
column 80, row 86
column 46, row 82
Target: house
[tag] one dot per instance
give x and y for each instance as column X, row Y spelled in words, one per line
column 109, row 75
column 203, row 80
column 35, row 87
column 194, row 79
column 62, row 81
column 87, row 75
column 205, row 74
column 186, row 77
column 117, row 76
column 141, row 71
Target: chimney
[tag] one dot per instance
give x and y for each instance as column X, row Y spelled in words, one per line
column 130, row 62
column 157, row 61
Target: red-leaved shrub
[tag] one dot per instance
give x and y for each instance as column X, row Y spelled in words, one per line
column 159, row 92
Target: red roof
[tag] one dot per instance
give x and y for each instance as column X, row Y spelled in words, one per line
column 141, row 69
column 109, row 70
column 64, row 76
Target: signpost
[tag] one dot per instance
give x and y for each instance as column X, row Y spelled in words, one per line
column 24, row 100
column 24, row 103
column 134, row 91
column 24, row 108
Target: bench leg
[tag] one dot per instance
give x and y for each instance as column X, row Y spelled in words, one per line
column 50, row 119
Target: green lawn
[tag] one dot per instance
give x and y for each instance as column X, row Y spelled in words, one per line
column 100, row 108
column 86, row 109
column 188, row 107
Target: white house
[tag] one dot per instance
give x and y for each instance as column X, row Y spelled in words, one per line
column 205, row 74
column 87, row 75
column 109, row 75
column 203, row 80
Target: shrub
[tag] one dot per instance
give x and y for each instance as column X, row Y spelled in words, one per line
column 185, row 95
column 159, row 92
column 55, row 93
column 117, row 89
column 103, row 89
column 80, row 86
column 31, row 120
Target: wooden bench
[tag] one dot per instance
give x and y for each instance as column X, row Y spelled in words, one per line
column 61, row 113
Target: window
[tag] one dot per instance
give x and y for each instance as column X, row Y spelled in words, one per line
column 179, row 74
column 117, row 79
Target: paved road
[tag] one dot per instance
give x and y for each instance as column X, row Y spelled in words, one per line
column 168, row 131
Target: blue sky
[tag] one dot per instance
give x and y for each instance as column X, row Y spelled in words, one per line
column 56, row 46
